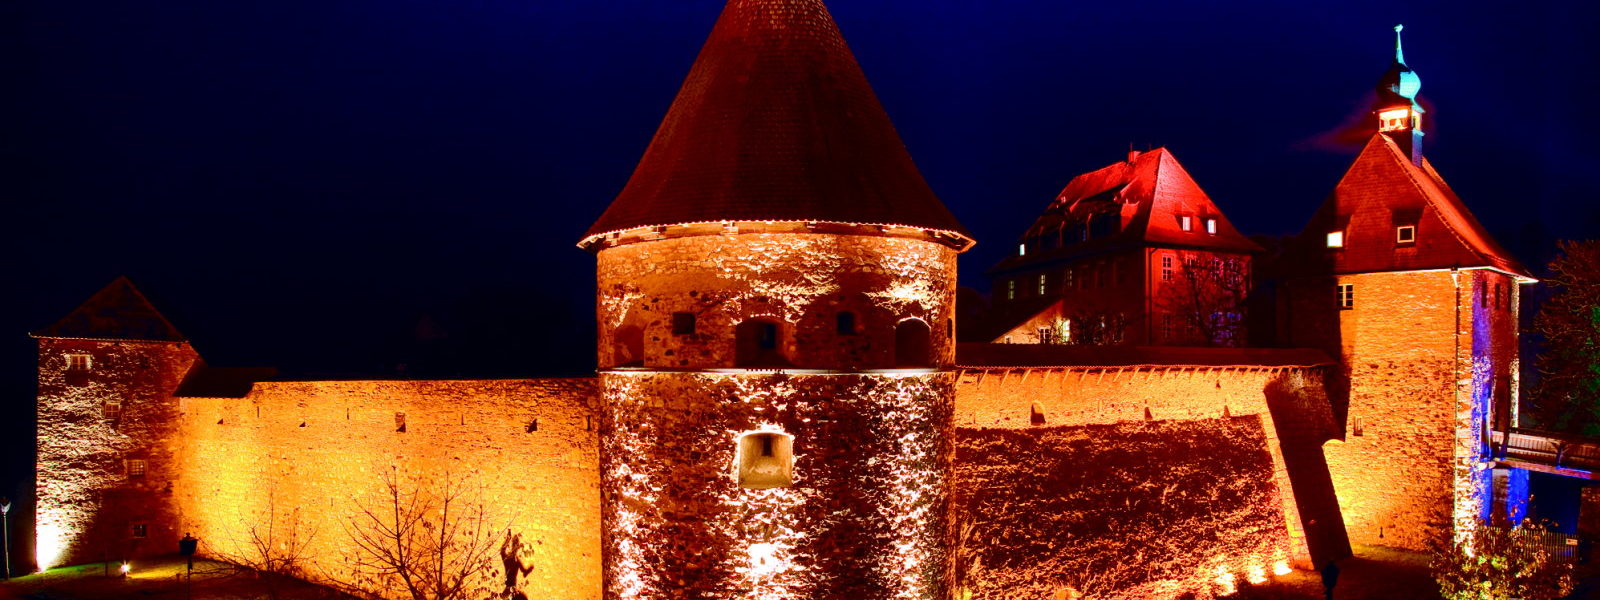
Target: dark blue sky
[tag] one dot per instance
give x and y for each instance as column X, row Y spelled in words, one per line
column 296, row 182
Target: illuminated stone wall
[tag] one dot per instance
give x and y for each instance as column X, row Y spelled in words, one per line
column 295, row 457
column 801, row 281
column 864, row 518
column 88, row 500
column 1428, row 356
column 1139, row 482
column 866, row 514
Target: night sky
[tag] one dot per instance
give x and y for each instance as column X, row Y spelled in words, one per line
column 301, row 184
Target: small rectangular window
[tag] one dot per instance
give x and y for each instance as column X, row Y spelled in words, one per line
column 79, row 362
column 1166, row 267
column 683, row 323
column 1186, row 222
column 1405, row 234
column 400, row 422
column 846, row 323
column 1347, row 295
column 1211, row 226
column 1011, row 289
column 139, row 531
column 136, row 467
column 1022, row 249
column 112, row 410
column 1358, row 427
column 1336, row 239
column 1042, row 284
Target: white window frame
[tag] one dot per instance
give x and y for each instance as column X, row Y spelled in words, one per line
column 1347, row 296
column 80, row 362
column 1336, row 239
column 1211, row 226
column 1405, row 234
column 1186, row 222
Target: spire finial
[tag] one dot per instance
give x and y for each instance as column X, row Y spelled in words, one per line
column 1399, row 55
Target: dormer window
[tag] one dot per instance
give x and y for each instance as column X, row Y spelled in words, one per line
column 1211, row 226
column 1336, row 239
column 1186, row 222
column 1022, row 249
column 1405, row 234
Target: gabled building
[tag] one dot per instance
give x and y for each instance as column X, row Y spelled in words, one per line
column 1133, row 253
column 1397, row 279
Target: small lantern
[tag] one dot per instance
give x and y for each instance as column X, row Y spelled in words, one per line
column 187, row 547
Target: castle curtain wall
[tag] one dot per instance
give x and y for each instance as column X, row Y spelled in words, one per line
column 293, row 459
column 1139, row 482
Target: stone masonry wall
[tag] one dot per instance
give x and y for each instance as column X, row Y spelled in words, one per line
column 864, row 517
column 294, row 459
column 1063, row 473
column 90, row 496
column 1395, row 467
column 801, row 281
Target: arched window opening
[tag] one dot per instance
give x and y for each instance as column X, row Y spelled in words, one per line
column 766, row 460
column 913, row 344
column 627, row 347
column 757, row 344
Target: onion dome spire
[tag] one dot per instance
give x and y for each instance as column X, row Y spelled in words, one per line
column 1400, row 85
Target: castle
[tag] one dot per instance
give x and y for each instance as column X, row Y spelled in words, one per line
column 782, row 408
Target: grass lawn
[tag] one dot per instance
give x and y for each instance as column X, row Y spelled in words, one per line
column 158, row 579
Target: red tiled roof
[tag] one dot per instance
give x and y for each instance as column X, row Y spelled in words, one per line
column 116, row 312
column 776, row 122
column 1151, row 191
column 1383, row 190
column 979, row 356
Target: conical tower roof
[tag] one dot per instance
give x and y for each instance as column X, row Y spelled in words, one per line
column 776, row 122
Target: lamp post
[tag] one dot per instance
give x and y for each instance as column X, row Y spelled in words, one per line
column 187, row 547
column 5, row 533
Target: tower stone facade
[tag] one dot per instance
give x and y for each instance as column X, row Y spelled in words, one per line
column 1400, row 282
column 107, row 424
column 776, row 332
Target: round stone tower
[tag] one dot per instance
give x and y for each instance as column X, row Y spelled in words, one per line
column 776, row 329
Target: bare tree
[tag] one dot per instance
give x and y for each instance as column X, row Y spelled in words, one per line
column 275, row 547
column 431, row 542
column 1207, row 300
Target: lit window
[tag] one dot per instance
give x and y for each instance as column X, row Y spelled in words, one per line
column 1042, row 285
column 1211, row 226
column 136, row 467
column 1022, row 249
column 1394, row 119
column 683, row 323
column 1405, row 234
column 1067, row 280
column 1186, row 222
column 1336, row 239
column 1011, row 289
column 1066, row 331
column 1166, row 267
column 112, row 410
column 139, row 531
column 79, row 362
column 766, row 460
column 1347, row 295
